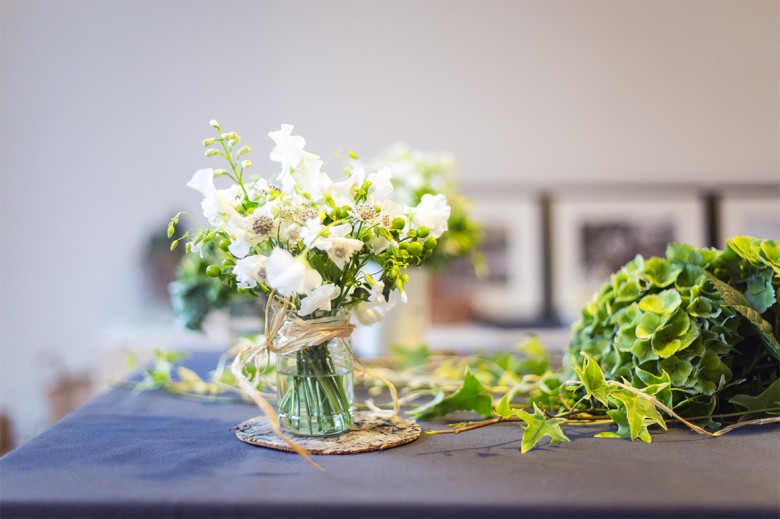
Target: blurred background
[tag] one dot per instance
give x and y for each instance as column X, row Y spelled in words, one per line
column 584, row 132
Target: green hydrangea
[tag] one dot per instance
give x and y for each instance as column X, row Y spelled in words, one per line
column 708, row 320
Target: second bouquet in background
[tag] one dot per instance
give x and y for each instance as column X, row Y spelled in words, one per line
column 328, row 254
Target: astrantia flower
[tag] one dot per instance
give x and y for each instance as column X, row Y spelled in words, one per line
column 432, row 212
column 251, row 230
column 339, row 248
column 289, row 275
column 319, row 299
column 250, row 271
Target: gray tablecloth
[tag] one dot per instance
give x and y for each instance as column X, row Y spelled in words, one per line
column 158, row 455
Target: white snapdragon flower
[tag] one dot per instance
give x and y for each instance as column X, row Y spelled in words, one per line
column 432, row 212
column 290, row 275
column 217, row 204
column 339, row 248
column 319, row 299
column 250, row 271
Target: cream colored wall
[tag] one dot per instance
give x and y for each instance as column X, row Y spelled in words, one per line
column 104, row 105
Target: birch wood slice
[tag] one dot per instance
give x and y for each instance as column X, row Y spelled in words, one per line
column 370, row 432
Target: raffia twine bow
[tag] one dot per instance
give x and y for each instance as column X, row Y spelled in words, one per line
column 301, row 334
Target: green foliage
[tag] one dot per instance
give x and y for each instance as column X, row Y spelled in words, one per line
column 537, row 427
column 706, row 319
column 692, row 337
column 471, row 396
column 195, row 293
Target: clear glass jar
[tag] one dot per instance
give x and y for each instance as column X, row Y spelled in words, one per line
column 315, row 393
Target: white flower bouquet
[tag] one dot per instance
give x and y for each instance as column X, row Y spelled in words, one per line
column 326, row 252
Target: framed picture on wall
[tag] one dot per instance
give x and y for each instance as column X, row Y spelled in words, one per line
column 593, row 236
column 757, row 216
column 512, row 292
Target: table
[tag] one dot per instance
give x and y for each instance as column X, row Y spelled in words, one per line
column 158, row 455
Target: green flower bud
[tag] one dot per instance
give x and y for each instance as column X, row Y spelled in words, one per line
column 244, row 150
column 353, row 155
column 399, row 223
column 209, row 142
column 212, row 152
column 220, row 173
column 213, row 271
column 214, row 124
column 423, row 232
column 246, row 164
column 369, row 279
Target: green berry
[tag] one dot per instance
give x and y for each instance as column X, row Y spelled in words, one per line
column 213, row 271
column 423, row 232
column 415, row 249
column 224, row 244
column 430, row 244
column 399, row 223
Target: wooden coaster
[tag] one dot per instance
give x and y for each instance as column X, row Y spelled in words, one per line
column 370, row 432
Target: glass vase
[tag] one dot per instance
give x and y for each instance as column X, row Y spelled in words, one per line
column 315, row 393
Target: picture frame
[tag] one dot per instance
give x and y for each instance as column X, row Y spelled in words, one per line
column 512, row 292
column 594, row 234
column 753, row 215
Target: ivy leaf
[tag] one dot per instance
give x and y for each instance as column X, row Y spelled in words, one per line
column 624, row 431
column 471, row 396
column 735, row 299
column 592, row 379
column 539, row 426
column 503, row 410
column 640, row 412
column 766, row 400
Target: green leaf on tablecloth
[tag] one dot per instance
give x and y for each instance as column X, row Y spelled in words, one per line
column 538, row 426
column 472, row 396
column 639, row 413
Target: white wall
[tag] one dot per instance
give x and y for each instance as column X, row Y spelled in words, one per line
column 104, row 105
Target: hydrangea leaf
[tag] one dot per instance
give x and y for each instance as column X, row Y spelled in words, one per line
column 471, row 396
column 767, row 400
column 663, row 303
column 661, row 273
column 770, row 251
column 760, row 293
column 592, row 379
column 648, row 325
column 678, row 369
column 640, row 412
column 537, row 427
